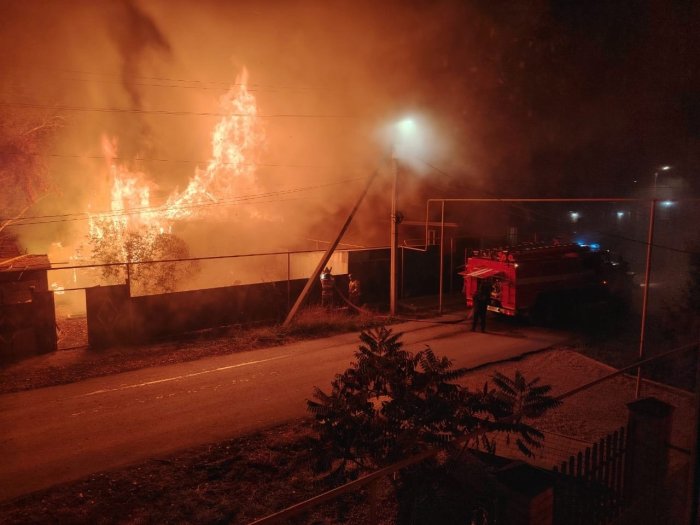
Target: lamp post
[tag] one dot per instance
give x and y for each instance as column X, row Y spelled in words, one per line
column 656, row 176
column 394, row 241
column 647, row 278
column 403, row 130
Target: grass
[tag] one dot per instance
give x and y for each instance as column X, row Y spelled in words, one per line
column 234, row 482
column 68, row 366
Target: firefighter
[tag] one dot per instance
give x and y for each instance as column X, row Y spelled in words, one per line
column 481, row 301
column 354, row 290
column 327, row 284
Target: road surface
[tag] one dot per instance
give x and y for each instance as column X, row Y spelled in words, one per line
column 63, row 433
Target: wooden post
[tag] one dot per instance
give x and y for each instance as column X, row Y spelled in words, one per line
column 645, row 296
column 327, row 255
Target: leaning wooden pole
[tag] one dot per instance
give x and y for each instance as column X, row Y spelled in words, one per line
column 324, row 260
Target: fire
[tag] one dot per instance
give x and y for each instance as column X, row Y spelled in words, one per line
column 235, row 142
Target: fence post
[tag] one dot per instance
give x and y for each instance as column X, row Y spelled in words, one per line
column 530, row 495
column 646, row 464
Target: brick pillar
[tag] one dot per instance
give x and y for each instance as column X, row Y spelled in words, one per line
column 529, row 498
column 646, row 461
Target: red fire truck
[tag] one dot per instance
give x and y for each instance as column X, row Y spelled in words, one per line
column 529, row 279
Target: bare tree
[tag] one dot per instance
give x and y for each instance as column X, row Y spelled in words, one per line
column 23, row 170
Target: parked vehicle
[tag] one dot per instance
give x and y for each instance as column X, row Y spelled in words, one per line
column 544, row 280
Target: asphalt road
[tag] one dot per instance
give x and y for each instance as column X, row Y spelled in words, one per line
column 63, row 433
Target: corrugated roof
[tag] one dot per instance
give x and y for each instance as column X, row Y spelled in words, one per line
column 26, row 262
column 12, row 260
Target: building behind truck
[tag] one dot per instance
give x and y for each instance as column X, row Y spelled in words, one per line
column 546, row 280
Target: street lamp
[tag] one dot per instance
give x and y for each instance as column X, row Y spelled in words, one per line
column 656, row 176
column 403, row 132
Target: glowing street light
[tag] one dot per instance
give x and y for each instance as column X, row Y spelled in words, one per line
column 656, row 176
column 405, row 133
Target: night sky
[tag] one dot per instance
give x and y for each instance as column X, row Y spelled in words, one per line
column 541, row 98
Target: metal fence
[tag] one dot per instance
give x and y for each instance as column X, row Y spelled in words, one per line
column 589, row 486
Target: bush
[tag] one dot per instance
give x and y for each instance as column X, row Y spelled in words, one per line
column 391, row 404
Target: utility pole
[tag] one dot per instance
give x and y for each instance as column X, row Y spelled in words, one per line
column 394, row 235
column 645, row 296
column 326, row 256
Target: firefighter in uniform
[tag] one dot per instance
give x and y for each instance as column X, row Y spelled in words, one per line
column 481, row 302
column 327, row 285
column 354, row 290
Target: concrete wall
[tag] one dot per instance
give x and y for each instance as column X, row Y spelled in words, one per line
column 115, row 318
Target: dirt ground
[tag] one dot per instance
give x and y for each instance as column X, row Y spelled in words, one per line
column 239, row 480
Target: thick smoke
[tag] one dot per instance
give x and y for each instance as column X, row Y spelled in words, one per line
column 137, row 38
column 515, row 100
column 135, row 33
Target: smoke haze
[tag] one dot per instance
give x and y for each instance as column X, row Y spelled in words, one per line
column 540, row 98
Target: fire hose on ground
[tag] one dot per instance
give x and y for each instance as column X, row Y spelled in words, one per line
column 361, row 310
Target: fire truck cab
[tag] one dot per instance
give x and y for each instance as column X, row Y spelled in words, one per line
column 528, row 276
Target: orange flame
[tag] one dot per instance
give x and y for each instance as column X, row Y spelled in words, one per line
column 236, row 139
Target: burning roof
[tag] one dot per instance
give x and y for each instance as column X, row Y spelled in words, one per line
column 12, row 260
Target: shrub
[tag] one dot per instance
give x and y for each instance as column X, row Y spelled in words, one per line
column 391, row 404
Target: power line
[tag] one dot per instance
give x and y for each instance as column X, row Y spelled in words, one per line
column 174, row 113
column 180, row 161
column 185, row 259
column 75, row 219
column 219, row 83
column 251, row 88
column 69, row 217
column 559, row 220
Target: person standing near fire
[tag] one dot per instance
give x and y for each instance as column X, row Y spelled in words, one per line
column 481, row 303
column 354, row 290
column 327, row 285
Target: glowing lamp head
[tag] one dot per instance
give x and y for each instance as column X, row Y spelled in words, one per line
column 412, row 140
column 406, row 126
column 405, row 137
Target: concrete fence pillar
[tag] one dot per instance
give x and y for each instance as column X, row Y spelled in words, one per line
column 529, row 495
column 646, row 461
